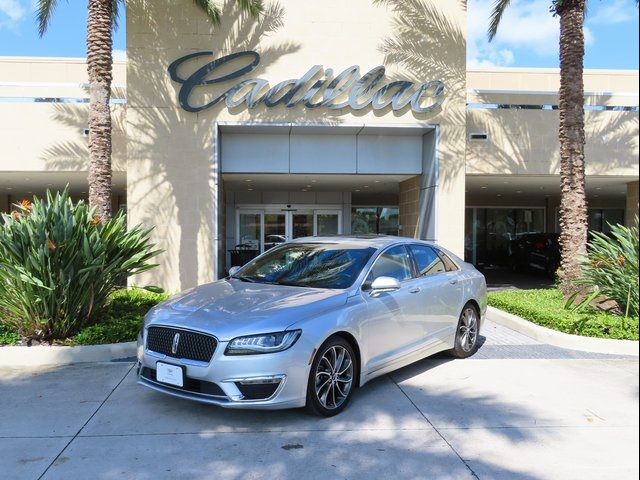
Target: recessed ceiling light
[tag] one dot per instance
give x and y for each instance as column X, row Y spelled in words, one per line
column 499, row 195
column 596, row 196
column 250, row 189
column 598, row 188
column 366, row 186
column 49, row 184
column 357, row 190
column 308, row 186
column 248, row 180
column 9, row 188
column 483, row 187
column 314, row 181
column 518, row 191
column 304, row 189
column 376, row 181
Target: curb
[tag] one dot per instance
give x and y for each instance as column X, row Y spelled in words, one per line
column 560, row 339
column 13, row 356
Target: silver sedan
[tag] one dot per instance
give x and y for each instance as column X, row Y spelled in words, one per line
column 310, row 320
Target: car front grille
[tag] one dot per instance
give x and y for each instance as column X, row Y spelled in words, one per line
column 190, row 345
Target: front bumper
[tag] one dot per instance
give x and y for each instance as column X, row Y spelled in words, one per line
column 226, row 380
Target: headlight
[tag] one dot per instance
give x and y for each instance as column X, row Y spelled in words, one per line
column 265, row 343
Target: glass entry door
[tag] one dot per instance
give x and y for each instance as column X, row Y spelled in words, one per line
column 262, row 229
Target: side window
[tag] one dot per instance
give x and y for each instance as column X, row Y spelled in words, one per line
column 427, row 260
column 450, row 264
column 394, row 263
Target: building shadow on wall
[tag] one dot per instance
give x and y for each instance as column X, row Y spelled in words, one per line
column 73, row 155
column 158, row 128
column 512, row 149
column 427, row 44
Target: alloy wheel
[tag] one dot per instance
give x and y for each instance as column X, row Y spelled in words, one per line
column 334, row 377
column 468, row 329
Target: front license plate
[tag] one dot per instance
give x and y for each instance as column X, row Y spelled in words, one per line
column 171, row 374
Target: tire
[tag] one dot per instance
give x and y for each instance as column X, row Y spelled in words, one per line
column 467, row 331
column 328, row 390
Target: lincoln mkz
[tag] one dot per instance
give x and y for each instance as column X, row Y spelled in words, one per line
column 308, row 321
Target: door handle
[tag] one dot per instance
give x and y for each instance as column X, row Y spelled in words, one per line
column 414, row 290
column 453, row 281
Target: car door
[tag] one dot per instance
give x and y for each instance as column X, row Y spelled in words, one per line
column 390, row 327
column 440, row 291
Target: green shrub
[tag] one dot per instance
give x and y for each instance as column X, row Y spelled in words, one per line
column 612, row 266
column 122, row 319
column 8, row 337
column 546, row 308
column 59, row 263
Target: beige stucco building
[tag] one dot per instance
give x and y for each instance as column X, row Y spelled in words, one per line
column 468, row 158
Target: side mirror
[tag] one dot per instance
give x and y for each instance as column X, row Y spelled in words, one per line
column 384, row 284
column 234, row 270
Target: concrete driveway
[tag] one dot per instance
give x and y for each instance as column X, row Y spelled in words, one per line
column 517, row 410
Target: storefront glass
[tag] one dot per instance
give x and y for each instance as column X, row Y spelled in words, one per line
column 489, row 232
column 377, row 220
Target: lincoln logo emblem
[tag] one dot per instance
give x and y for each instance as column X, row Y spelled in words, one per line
column 174, row 344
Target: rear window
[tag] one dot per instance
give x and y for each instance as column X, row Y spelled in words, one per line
column 427, row 260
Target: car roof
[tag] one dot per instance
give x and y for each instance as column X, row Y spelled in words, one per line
column 375, row 241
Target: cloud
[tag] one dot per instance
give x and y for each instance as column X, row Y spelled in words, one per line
column 612, row 12
column 11, row 13
column 525, row 25
column 118, row 55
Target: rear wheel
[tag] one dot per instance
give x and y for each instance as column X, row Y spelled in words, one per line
column 466, row 342
column 331, row 379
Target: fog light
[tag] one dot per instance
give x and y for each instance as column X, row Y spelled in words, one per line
column 258, row 388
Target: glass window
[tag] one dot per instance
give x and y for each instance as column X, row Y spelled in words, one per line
column 394, row 263
column 250, row 228
column 427, row 260
column 449, row 264
column 375, row 220
column 327, row 223
column 491, row 231
column 308, row 265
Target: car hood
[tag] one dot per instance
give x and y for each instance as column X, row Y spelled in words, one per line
column 230, row 308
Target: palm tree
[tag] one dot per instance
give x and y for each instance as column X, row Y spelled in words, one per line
column 573, row 204
column 102, row 20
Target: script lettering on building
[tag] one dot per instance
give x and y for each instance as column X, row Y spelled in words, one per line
column 319, row 87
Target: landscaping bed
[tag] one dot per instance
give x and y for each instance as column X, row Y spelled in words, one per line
column 546, row 308
column 120, row 323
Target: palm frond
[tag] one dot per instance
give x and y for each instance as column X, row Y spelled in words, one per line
column 211, row 9
column 114, row 14
column 499, row 8
column 44, row 10
column 252, row 7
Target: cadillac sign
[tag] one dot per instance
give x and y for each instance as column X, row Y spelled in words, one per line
column 319, row 87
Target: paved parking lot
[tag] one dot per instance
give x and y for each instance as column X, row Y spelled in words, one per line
column 517, row 410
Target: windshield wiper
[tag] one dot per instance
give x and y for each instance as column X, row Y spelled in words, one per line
column 244, row 279
column 293, row 284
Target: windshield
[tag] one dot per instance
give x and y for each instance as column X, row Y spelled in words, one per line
column 317, row 265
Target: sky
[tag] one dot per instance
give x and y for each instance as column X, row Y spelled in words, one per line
column 528, row 35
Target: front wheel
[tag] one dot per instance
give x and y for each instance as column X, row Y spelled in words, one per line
column 331, row 380
column 466, row 342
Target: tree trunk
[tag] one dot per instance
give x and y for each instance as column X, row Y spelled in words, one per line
column 573, row 205
column 99, row 68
